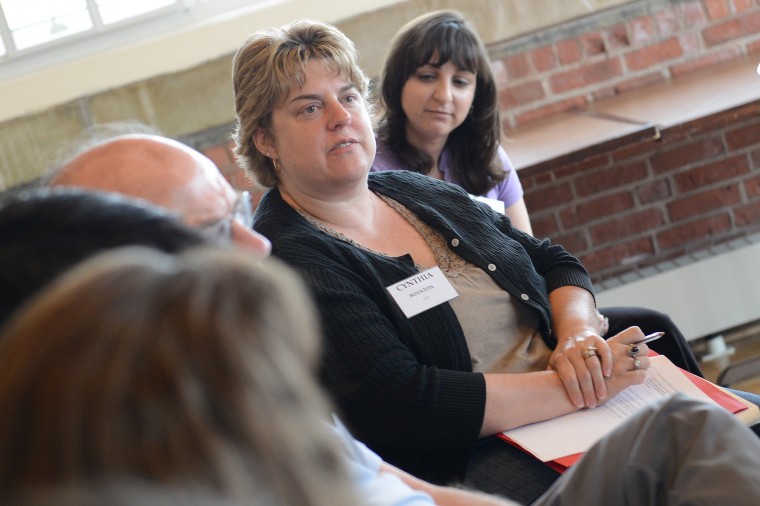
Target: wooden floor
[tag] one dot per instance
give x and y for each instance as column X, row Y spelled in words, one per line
column 746, row 342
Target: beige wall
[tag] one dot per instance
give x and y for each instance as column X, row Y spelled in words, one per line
column 180, row 83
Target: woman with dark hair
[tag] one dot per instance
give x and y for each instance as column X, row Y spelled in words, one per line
column 442, row 119
column 441, row 112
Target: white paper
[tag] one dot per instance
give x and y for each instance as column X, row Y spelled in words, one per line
column 577, row 432
column 422, row 291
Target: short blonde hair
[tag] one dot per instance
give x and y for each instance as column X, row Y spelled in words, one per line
column 267, row 66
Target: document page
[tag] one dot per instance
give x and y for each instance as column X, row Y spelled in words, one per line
column 577, row 432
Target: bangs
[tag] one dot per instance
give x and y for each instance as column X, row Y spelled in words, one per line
column 449, row 42
column 290, row 68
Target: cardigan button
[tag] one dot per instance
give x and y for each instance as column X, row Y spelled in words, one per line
column 491, row 267
column 524, row 296
column 455, row 242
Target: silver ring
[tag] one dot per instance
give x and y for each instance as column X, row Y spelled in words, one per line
column 636, row 364
column 633, row 350
column 590, row 352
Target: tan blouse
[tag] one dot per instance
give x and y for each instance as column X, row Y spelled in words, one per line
column 502, row 333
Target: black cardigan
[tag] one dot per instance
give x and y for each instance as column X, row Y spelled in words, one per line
column 406, row 386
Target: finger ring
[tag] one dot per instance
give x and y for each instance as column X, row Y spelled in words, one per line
column 633, row 350
column 590, row 352
column 636, row 364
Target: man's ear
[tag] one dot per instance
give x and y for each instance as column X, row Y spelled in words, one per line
column 263, row 142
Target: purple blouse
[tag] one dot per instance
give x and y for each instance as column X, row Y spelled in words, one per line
column 509, row 190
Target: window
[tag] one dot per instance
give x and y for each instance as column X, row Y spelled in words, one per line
column 38, row 33
column 32, row 23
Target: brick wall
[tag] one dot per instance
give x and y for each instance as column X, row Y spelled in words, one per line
column 574, row 64
column 633, row 207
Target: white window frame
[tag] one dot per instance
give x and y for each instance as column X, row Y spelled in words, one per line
column 103, row 37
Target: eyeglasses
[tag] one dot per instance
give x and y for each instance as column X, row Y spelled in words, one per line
column 221, row 230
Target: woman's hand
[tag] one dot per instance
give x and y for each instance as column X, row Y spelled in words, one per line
column 592, row 369
column 630, row 361
column 582, row 363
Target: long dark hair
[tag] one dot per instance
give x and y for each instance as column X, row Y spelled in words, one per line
column 446, row 36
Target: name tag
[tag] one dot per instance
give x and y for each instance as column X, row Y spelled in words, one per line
column 422, row 291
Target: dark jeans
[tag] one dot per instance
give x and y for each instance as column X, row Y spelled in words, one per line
column 497, row 467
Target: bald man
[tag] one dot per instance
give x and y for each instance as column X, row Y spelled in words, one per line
column 166, row 173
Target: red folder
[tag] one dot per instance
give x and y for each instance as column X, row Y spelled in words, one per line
column 713, row 391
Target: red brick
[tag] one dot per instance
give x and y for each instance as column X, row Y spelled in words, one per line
column 690, row 42
column 585, row 75
column 747, row 215
column 711, row 173
column 219, row 155
column 499, row 73
column 539, row 179
column 518, row 66
column 693, row 14
column 574, row 242
column 753, row 47
column 627, row 226
column 643, row 31
column 716, row 9
column 637, row 150
column 752, row 187
column 575, row 169
column 704, row 203
column 605, row 258
column 686, row 154
column 551, row 109
column 756, row 159
column 667, row 21
column 745, row 25
column 543, row 224
column 581, row 212
column 727, row 54
column 547, row 198
column 693, row 232
column 742, row 5
column 654, row 54
column 617, row 37
column 521, row 94
column 543, row 58
column 653, row 191
column 748, row 135
column 616, row 176
column 593, row 44
column 569, row 51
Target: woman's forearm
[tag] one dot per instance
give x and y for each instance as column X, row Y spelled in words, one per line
column 514, row 400
column 573, row 313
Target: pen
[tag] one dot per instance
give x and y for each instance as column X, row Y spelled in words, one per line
column 651, row 337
